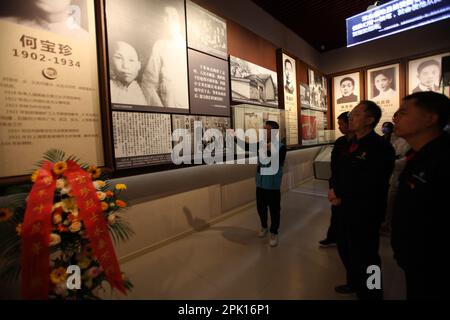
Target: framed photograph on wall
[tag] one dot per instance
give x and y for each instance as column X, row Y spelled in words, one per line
column 206, row 31
column 383, row 87
column 253, row 84
column 147, row 55
column 425, row 74
column 289, row 92
column 318, row 91
column 346, row 93
column 49, row 73
column 305, row 96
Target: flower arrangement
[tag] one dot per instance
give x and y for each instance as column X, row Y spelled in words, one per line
column 74, row 234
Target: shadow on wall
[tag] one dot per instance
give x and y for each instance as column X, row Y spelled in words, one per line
column 237, row 235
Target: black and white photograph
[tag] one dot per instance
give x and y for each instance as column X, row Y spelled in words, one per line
column 147, row 54
column 253, row 84
column 65, row 17
column 206, row 31
column 318, row 91
column 289, row 75
column 346, row 94
column 346, row 88
column 247, row 116
column 425, row 74
column 383, row 83
column 289, row 72
column 305, row 96
column 187, row 122
column 209, row 84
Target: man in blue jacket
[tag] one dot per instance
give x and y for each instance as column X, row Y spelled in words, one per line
column 268, row 194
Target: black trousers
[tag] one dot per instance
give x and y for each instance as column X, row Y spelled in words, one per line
column 269, row 199
column 358, row 239
column 332, row 229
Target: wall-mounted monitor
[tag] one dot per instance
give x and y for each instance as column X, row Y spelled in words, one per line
column 394, row 17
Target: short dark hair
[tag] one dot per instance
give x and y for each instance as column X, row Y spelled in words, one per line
column 344, row 116
column 273, row 124
column 347, row 79
column 432, row 102
column 427, row 63
column 388, row 124
column 286, row 61
column 372, row 110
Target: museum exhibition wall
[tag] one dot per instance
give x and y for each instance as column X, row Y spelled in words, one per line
column 112, row 90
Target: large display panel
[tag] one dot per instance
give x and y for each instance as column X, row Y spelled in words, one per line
column 49, row 87
column 208, row 84
column 383, row 87
column 147, row 55
column 253, row 84
column 206, row 31
column 290, row 98
column 425, row 74
column 393, row 17
column 141, row 139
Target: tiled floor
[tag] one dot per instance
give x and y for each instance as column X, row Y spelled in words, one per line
column 228, row 261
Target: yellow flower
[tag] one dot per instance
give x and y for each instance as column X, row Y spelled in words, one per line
column 5, row 214
column 112, row 218
column 69, row 204
column 75, row 226
column 34, row 176
column 121, row 186
column 19, row 229
column 121, row 204
column 58, row 275
column 57, row 218
column 105, row 206
column 54, row 239
column 94, row 171
column 60, row 167
column 84, row 262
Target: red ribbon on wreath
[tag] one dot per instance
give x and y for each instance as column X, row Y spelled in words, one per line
column 38, row 224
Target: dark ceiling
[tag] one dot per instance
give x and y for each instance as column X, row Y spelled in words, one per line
column 319, row 22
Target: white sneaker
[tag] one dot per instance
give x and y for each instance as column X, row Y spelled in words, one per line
column 273, row 240
column 263, row 232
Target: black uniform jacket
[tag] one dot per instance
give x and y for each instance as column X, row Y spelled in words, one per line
column 361, row 175
column 421, row 218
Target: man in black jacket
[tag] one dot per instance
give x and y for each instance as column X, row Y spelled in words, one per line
column 339, row 149
column 421, row 217
column 363, row 175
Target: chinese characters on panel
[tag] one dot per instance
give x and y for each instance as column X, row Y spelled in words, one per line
column 49, row 95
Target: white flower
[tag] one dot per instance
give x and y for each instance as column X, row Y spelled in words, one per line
column 101, row 195
column 99, row 184
column 62, row 185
